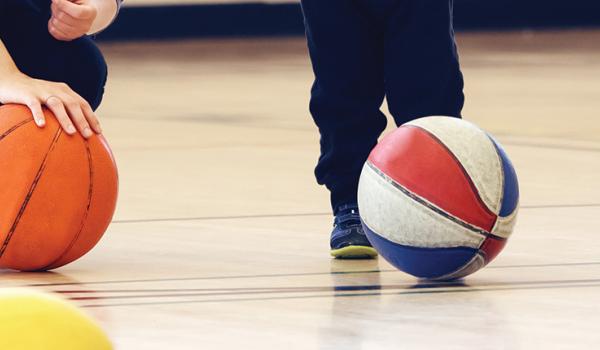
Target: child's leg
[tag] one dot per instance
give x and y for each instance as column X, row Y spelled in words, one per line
column 347, row 57
column 77, row 63
column 421, row 62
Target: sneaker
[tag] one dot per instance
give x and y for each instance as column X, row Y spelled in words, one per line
column 348, row 239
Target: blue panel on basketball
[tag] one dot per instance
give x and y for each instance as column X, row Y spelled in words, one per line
column 510, row 199
column 421, row 262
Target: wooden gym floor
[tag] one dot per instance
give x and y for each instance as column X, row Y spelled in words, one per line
column 221, row 236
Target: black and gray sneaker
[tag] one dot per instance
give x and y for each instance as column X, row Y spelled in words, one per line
column 348, row 239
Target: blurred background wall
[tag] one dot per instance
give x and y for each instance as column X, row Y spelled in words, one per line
column 167, row 19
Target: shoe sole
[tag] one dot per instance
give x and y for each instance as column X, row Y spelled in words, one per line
column 354, row 252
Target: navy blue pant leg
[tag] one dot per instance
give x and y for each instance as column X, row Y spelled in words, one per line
column 363, row 50
column 422, row 73
column 78, row 63
column 347, row 57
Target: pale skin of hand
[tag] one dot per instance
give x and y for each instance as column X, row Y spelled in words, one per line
column 72, row 19
column 73, row 112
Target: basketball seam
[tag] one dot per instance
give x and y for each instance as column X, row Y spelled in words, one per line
column 13, row 128
column 85, row 214
column 418, row 245
column 474, row 188
column 503, row 174
column 502, row 188
column 457, row 274
column 431, row 206
column 501, row 163
column 32, row 188
column 481, row 251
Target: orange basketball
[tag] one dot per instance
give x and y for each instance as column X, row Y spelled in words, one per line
column 57, row 192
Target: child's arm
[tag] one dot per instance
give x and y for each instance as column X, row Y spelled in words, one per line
column 107, row 12
column 72, row 19
column 69, row 108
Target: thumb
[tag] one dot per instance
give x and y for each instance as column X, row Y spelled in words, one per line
column 74, row 8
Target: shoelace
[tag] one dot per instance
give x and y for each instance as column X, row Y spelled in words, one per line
column 348, row 218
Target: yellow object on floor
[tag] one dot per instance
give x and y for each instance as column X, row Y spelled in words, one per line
column 31, row 320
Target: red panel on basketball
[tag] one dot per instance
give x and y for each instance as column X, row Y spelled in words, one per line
column 491, row 247
column 420, row 163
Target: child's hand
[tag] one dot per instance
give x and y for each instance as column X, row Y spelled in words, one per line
column 71, row 19
column 69, row 108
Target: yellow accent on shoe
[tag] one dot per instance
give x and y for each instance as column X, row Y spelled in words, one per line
column 354, row 252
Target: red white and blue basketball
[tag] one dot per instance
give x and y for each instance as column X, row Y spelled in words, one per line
column 438, row 198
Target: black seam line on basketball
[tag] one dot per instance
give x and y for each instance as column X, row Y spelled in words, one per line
column 267, row 216
column 36, row 180
column 337, row 295
column 481, row 254
column 316, row 289
column 499, row 157
column 474, row 189
column 85, row 214
column 430, row 206
column 14, row 127
column 301, row 274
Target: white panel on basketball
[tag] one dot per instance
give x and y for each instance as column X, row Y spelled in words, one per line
column 475, row 151
column 504, row 225
column 397, row 217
